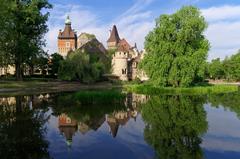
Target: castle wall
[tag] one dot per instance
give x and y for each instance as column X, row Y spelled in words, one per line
column 120, row 65
column 112, row 45
column 66, row 45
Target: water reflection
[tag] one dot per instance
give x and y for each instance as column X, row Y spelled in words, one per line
column 21, row 129
column 174, row 125
column 77, row 115
column 132, row 125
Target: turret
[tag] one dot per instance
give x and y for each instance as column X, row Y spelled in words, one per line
column 114, row 38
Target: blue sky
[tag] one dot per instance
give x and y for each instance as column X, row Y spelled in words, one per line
column 135, row 18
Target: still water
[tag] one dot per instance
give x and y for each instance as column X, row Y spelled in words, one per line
column 115, row 125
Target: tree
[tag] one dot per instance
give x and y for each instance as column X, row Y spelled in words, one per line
column 82, row 66
column 215, row 69
column 56, row 59
column 22, row 31
column 232, row 67
column 176, row 49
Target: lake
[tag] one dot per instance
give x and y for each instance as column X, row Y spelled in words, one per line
column 114, row 124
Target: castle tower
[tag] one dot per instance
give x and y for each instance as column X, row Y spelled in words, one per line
column 67, row 39
column 120, row 63
column 114, row 38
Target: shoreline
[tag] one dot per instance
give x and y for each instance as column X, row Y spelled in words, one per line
column 11, row 88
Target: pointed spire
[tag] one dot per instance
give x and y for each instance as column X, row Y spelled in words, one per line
column 114, row 37
column 68, row 21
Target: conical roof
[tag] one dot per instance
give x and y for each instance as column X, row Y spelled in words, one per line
column 114, row 37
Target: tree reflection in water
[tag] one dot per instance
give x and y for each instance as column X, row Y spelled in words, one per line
column 174, row 125
column 22, row 130
column 229, row 101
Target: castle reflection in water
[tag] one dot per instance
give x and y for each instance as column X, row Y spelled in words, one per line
column 69, row 126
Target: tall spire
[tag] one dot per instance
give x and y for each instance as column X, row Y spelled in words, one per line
column 114, row 37
column 68, row 21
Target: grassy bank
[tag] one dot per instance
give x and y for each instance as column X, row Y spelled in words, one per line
column 23, row 84
column 36, row 87
column 211, row 89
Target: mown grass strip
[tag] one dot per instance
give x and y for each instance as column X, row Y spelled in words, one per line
column 197, row 90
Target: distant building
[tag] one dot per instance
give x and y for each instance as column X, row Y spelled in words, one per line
column 9, row 70
column 126, row 58
column 67, row 39
column 84, row 38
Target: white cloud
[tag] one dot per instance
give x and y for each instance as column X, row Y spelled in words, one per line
column 222, row 13
column 223, row 31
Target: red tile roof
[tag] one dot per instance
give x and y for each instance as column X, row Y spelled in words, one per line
column 68, row 33
column 123, row 45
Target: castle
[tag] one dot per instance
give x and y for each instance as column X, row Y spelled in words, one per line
column 125, row 58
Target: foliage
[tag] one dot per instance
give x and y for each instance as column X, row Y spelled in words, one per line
column 174, row 125
column 228, row 69
column 216, row 69
column 22, row 26
column 176, row 49
column 82, row 66
column 232, row 67
column 56, row 59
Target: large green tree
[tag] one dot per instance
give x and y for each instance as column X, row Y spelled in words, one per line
column 22, row 29
column 176, row 49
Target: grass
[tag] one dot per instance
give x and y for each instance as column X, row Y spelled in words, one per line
column 22, row 84
column 196, row 90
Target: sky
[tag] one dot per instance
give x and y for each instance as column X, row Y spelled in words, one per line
column 135, row 18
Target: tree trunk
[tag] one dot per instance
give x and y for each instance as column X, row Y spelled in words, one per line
column 18, row 57
column 18, row 67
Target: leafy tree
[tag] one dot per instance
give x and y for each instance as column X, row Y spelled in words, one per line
column 56, row 59
column 82, row 66
column 215, row 69
column 176, row 49
column 22, row 31
column 174, row 125
column 232, row 67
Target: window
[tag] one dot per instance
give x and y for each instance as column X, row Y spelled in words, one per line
column 67, row 44
column 124, row 71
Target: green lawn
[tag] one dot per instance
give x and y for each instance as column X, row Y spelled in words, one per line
column 22, row 84
column 210, row 89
